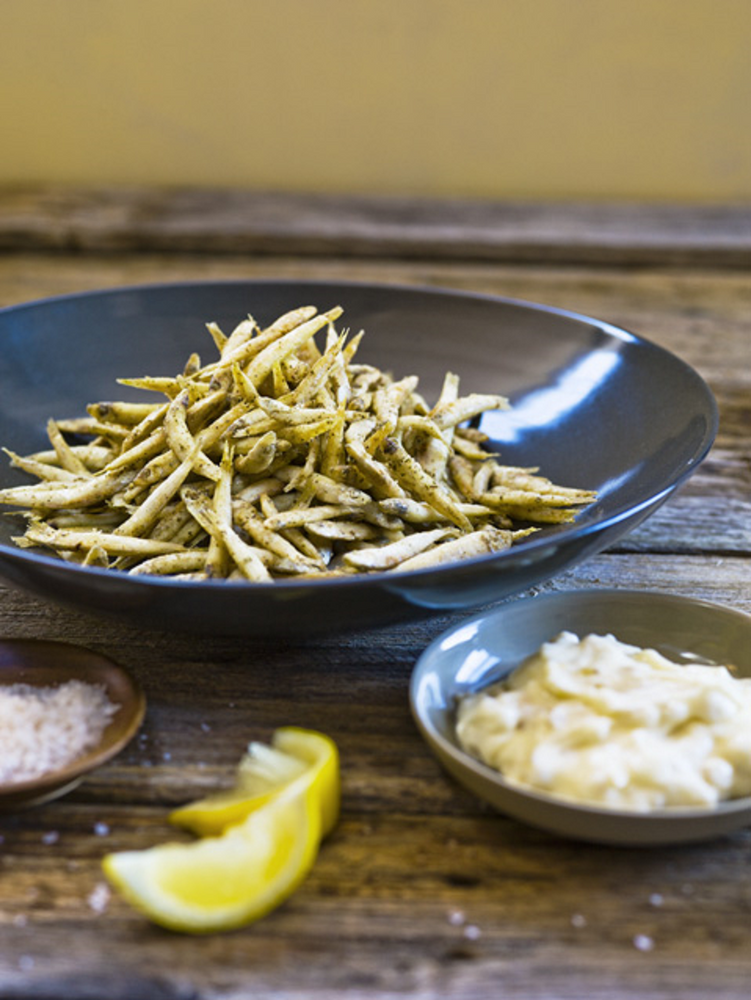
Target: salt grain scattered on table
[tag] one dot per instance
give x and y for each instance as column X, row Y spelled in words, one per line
column 99, row 897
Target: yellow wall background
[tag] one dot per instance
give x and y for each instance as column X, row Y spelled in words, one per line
column 552, row 99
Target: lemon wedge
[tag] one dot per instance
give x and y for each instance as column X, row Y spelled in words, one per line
column 297, row 758
column 260, row 840
column 219, row 883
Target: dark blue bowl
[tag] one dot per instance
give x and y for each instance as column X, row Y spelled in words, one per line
column 592, row 405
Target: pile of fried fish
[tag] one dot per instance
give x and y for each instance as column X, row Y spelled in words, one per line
column 281, row 459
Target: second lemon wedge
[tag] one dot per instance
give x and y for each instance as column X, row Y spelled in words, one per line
column 297, row 758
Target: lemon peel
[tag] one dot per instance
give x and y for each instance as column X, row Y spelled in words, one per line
column 287, row 797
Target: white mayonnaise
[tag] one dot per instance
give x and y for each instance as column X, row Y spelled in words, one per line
column 604, row 723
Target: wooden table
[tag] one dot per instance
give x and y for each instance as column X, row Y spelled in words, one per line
column 420, row 892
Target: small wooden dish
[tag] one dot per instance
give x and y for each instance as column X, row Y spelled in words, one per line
column 42, row 663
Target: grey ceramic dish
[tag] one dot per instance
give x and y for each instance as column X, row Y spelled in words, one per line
column 593, row 406
column 489, row 646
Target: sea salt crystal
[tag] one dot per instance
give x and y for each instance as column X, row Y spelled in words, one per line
column 456, row 918
column 101, row 829
column 99, row 897
column 43, row 729
column 472, row 932
column 642, row 942
column 578, row 920
column 50, row 838
column 656, row 899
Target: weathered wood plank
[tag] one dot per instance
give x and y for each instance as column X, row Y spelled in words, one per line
column 414, row 867
column 483, row 906
column 242, row 222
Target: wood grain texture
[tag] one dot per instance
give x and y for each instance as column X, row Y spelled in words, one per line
column 421, row 891
column 232, row 221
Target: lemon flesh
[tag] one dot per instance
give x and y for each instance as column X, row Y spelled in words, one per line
column 298, row 759
column 224, row 882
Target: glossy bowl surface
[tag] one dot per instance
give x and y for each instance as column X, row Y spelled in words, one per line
column 42, row 663
column 487, row 647
column 592, row 406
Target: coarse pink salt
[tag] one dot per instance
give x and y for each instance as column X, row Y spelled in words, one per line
column 43, row 729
